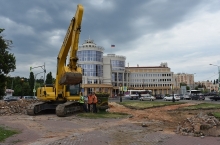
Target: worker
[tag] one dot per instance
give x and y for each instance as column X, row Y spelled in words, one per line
column 82, row 101
column 90, row 100
column 94, row 103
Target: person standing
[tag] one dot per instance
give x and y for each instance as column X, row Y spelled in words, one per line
column 90, row 101
column 94, row 103
column 82, row 101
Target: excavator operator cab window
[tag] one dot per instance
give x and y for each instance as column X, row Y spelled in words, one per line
column 74, row 90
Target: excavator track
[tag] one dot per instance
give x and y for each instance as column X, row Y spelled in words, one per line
column 68, row 108
column 62, row 108
column 35, row 108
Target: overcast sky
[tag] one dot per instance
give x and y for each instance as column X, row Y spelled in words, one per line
column 183, row 33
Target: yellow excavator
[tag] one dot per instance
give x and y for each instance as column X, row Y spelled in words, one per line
column 63, row 96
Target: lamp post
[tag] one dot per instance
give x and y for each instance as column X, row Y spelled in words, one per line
column 120, row 92
column 172, row 93
column 194, row 81
column 34, row 90
column 218, row 77
column 43, row 67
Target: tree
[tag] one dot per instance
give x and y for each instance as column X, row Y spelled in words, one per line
column 7, row 61
column 214, row 82
column 49, row 79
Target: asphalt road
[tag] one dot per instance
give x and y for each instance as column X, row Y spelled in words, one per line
column 207, row 100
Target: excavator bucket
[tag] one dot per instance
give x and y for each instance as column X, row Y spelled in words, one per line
column 71, row 78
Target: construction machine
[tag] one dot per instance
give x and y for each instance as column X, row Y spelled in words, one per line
column 63, row 96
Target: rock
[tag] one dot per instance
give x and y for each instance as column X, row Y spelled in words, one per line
column 144, row 125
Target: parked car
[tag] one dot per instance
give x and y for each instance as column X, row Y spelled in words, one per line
column 170, row 97
column 159, row 96
column 10, row 98
column 198, row 97
column 186, row 97
column 216, row 98
column 30, row 97
column 147, row 97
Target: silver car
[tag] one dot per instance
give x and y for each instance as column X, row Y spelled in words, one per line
column 170, row 98
column 148, row 97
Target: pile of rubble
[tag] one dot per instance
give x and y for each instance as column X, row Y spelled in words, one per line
column 15, row 107
column 199, row 125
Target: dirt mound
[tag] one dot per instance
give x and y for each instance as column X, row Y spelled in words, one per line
column 172, row 120
column 15, row 107
column 200, row 125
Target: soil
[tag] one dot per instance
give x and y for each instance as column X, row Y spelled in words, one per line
column 40, row 129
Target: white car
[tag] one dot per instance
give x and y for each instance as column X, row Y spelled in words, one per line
column 170, row 98
column 148, row 97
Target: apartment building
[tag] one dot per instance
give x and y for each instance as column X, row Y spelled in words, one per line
column 188, row 79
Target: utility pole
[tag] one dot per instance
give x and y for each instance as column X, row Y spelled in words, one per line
column 218, row 78
column 43, row 67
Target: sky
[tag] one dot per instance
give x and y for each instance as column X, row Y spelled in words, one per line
column 183, row 33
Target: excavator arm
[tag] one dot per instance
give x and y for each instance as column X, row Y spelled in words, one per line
column 70, row 74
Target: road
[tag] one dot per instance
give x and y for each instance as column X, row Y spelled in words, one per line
column 207, row 100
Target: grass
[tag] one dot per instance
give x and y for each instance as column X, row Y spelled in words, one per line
column 102, row 114
column 5, row 133
column 202, row 106
column 216, row 114
column 147, row 104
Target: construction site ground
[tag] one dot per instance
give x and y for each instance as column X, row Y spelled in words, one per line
column 155, row 126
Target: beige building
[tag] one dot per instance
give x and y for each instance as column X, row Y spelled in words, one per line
column 208, row 85
column 159, row 79
column 185, row 78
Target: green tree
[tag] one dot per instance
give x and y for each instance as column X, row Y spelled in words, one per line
column 31, row 83
column 49, row 79
column 7, row 62
column 214, row 82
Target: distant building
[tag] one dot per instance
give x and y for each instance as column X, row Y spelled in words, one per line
column 185, row 78
column 108, row 73
column 159, row 79
column 208, row 86
column 9, row 92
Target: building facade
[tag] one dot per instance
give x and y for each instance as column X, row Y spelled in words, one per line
column 90, row 59
column 159, row 79
column 108, row 73
column 185, row 78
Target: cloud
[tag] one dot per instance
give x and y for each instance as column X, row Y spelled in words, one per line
column 185, row 34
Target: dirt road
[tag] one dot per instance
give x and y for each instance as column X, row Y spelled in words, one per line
column 49, row 129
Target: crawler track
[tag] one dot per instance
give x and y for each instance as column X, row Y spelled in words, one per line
column 62, row 108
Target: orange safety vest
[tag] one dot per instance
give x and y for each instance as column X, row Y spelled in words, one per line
column 95, row 99
column 90, row 99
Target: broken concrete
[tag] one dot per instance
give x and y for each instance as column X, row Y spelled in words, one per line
column 199, row 125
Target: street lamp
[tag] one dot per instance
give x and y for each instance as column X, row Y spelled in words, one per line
column 218, row 77
column 35, row 82
column 194, row 81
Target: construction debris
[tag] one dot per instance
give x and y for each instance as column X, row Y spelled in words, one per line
column 15, row 107
column 199, row 125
